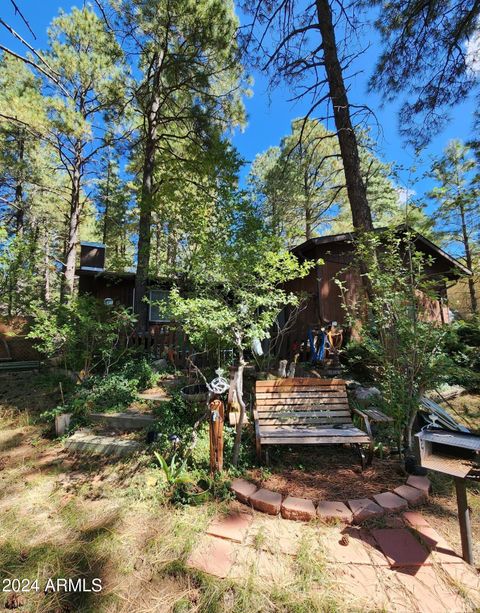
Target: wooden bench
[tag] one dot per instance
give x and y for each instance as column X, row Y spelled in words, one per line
column 308, row 412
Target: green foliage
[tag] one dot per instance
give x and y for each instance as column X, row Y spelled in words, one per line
column 175, row 471
column 445, row 71
column 299, row 186
column 462, row 345
column 296, row 185
column 236, row 298
column 86, row 334
column 113, row 392
column 457, row 196
column 357, row 358
column 27, row 188
column 402, row 350
column 116, row 218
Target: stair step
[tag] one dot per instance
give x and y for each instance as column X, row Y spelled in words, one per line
column 86, row 442
column 124, row 421
column 15, row 366
column 155, row 393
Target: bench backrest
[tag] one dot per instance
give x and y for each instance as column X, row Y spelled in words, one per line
column 315, row 402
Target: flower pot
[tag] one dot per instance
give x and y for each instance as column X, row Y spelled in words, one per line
column 195, row 393
column 62, row 423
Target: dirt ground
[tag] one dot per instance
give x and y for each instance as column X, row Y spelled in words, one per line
column 333, row 473
column 65, row 517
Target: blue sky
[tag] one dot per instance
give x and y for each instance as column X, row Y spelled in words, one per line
column 270, row 114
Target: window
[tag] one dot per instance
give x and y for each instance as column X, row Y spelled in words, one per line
column 159, row 305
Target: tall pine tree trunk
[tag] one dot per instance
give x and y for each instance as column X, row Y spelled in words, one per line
column 72, row 231
column 107, row 205
column 468, row 259
column 19, row 202
column 144, row 227
column 147, row 196
column 47, row 290
column 356, row 189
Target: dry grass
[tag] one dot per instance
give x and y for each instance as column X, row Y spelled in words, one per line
column 72, row 517
column 66, row 517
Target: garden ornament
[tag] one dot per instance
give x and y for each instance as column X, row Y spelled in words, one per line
column 175, row 440
column 219, row 385
column 257, row 347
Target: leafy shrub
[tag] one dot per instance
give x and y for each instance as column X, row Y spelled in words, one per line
column 140, row 371
column 86, row 334
column 402, row 350
column 110, row 392
column 462, row 347
column 357, row 358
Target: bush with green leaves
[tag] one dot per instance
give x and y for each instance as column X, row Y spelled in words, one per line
column 403, row 352
column 237, row 291
column 86, row 334
column 113, row 392
column 462, row 345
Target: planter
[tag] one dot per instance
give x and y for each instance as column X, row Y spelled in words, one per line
column 62, row 423
column 195, row 393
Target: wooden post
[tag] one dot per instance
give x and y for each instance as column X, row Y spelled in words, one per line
column 464, row 520
column 216, row 435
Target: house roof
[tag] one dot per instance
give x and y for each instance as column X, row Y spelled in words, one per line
column 110, row 274
column 349, row 237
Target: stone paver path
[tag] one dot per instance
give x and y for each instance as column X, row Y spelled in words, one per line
column 402, row 569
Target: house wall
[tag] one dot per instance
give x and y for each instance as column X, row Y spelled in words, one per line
column 326, row 299
column 120, row 290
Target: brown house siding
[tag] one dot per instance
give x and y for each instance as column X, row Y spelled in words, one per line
column 325, row 300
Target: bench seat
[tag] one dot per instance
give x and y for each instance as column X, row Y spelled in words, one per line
column 305, row 411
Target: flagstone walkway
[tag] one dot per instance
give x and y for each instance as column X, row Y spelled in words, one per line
column 404, row 568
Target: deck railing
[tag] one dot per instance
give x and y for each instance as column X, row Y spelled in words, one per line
column 170, row 343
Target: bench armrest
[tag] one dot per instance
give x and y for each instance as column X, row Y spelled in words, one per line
column 366, row 421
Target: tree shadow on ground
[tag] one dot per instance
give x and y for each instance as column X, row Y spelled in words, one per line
column 80, row 557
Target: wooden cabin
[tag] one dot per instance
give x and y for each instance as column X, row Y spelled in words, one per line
column 324, row 300
column 119, row 287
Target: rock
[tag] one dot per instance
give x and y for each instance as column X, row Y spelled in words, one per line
column 391, row 502
column 266, row 501
column 421, row 483
column 364, row 508
column 298, row 508
column 352, row 384
column 329, row 510
column 232, row 527
column 411, row 494
column 159, row 365
column 243, row 489
column 365, row 396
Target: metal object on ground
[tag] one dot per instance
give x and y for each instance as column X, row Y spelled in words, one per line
column 457, row 454
column 436, row 413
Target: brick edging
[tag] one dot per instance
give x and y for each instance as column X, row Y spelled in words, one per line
column 356, row 511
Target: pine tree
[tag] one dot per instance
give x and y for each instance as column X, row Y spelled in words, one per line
column 87, row 60
column 458, row 212
column 300, row 181
column 188, row 78
column 115, row 216
column 29, row 186
column 427, row 55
